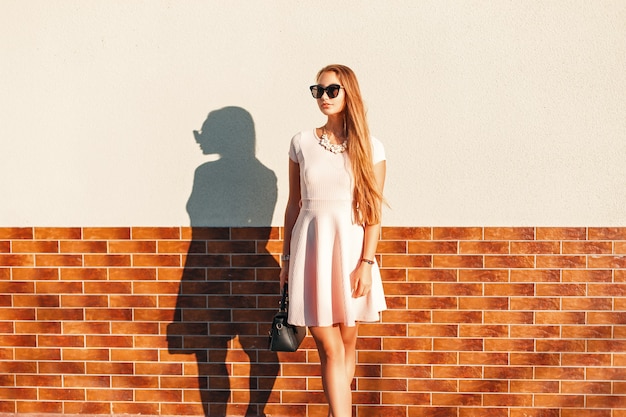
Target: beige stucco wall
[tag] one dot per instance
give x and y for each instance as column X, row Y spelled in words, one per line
column 492, row 113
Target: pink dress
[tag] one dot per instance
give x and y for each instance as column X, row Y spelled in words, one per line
column 326, row 244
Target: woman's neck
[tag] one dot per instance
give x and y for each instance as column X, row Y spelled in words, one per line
column 335, row 126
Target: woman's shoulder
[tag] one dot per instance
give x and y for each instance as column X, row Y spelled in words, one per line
column 304, row 133
column 295, row 148
column 378, row 150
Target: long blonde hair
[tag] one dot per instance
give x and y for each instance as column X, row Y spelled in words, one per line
column 367, row 198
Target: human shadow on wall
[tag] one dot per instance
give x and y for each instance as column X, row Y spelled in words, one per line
column 217, row 308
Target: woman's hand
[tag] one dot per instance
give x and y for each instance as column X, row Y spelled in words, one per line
column 284, row 274
column 361, row 280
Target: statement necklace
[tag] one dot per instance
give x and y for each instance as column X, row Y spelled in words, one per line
column 332, row 147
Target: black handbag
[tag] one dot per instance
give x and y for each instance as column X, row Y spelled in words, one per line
column 285, row 337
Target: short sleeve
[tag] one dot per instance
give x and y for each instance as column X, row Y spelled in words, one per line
column 294, row 148
column 378, row 151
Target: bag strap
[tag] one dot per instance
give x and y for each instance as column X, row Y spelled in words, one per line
column 283, row 301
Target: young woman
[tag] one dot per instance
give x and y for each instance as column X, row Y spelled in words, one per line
column 332, row 227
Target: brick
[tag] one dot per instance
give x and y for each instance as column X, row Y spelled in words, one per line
column 35, row 246
column 535, row 303
column 500, row 289
column 433, row 303
column 508, row 372
column 483, row 385
column 36, row 300
column 606, row 261
column 587, row 247
column 480, row 358
column 87, row 354
column 59, row 260
column 433, row 330
column 14, row 233
column 584, row 387
column 539, row 275
column 57, row 233
column 544, row 317
column 87, row 408
column 509, row 261
column 586, row 332
column 587, row 303
column 509, row 233
column 407, row 316
column 432, row 275
column 482, row 411
column 502, row 317
column 482, row 247
column 483, row 275
column 17, row 260
column 154, row 233
column 457, row 399
column 432, row 358
column 430, row 247
column 81, row 246
column 15, row 287
column 559, row 401
column 480, row 330
column 607, row 290
column 121, row 301
column 55, row 287
column 457, row 345
column 83, row 274
column 484, row 303
column 457, row 317
column 579, row 412
column 107, row 260
column 135, row 274
column 38, row 380
column 406, row 233
column 535, row 331
column 108, row 287
column 559, row 373
column 406, row 261
column 64, row 368
column 511, row 400
column 457, row 261
column 457, row 233
column 561, row 290
column 460, row 289
column 38, row 327
column 618, row 317
column 509, row 345
column 606, row 345
column 413, row 289
column 34, row 407
column 543, row 247
column 587, row 276
column 561, row 261
column 607, row 233
column 106, row 233
column 63, row 394
column 586, row 359
column 561, row 233
column 392, row 246
column 133, row 246
column 175, row 246
column 560, row 346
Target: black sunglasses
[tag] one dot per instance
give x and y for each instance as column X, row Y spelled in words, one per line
column 332, row 90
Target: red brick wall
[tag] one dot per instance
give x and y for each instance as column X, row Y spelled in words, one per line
column 483, row 321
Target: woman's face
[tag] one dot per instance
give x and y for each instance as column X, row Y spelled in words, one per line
column 331, row 106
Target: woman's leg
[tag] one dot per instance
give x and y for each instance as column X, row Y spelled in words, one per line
column 348, row 335
column 334, row 362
